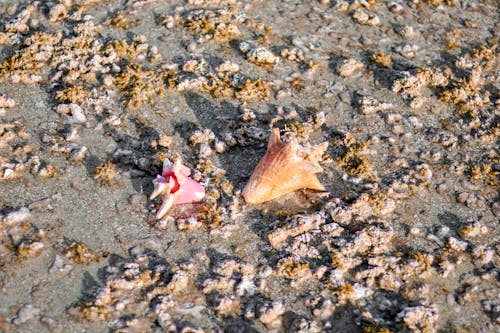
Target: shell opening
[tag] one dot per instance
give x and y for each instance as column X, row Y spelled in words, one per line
column 171, row 175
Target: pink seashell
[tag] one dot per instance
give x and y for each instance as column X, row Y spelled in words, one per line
column 190, row 192
column 175, row 187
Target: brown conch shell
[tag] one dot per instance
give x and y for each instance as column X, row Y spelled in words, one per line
column 280, row 171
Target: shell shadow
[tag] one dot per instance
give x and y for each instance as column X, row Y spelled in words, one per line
column 210, row 115
column 130, row 154
column 238, row 161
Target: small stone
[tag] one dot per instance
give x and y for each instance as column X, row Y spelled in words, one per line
column 271, row 317
column 262, row 56
column 398, row 130
column 444, row 187
column 407, row 32
column 228, row 67
column 418, row 102
column 349, row 67
column 415, row 122
column 245, row 47
column 345, row 97
column 165, row 222
column 17, row 217
column 52, row 324
column 27, row 313
column 220, row 146
column 473, row 230
column 189, row 224
column 420, row 318
column 370, row 105
column 205, row 150
column 6, row 102
column 393, row 118
column 462, row 197
column 395, row 7
column 457, row 244
column 362, row 17
column 495, row 208
column 407, row 50
column 41, row 204
column 78, row 154
column 73, row 111
column 58, row 12
column 416, row 231
column 58, row 266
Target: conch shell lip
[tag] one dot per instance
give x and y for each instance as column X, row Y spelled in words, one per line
column 282, row 170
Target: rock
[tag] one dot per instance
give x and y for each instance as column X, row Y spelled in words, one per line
column 362, row 17
column 6, row 103
column 370, row 105
column 73, row 111
column 58, row 266
column 349, row 67
column 262, row 56
column 27, row 313
column 17, row 217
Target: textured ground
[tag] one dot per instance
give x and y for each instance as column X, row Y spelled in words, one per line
column 95, row 94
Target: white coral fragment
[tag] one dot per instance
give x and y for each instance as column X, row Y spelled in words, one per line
column 349, row 67
column 420, row 318
column 362, row 17
column 73, row 111
column 258, row 55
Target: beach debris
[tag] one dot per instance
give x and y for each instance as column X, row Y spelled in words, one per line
column 25, row 314
column 76, row 252
column 6, row 103
column 365, row 18
column 106, row 173
column 298, row 226
column 258, row 55
column 349, row 67
column 282, row 170
column 175, row 187
column 59, row 266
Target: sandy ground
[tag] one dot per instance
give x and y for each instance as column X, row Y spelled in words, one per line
column 95, row 94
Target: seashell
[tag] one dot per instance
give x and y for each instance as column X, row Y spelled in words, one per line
column 175, row 187
column 283, row 169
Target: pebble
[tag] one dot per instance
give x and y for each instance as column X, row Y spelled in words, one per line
column 53, row 325
column 165, row 222
column 58, row 266
column 6, row 102
column 262, row 56
column 370, row 105
column 362, row 17
column 407, row 50
column 16, row 217
column 398, row 130
column 395, row 7
column 393, row 118
column 418, row 102
column 407, row 32
column 73, row 111
column 58, row 12
column 27, row 313
column 349, row 67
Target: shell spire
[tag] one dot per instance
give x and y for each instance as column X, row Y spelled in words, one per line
column 281, row 170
